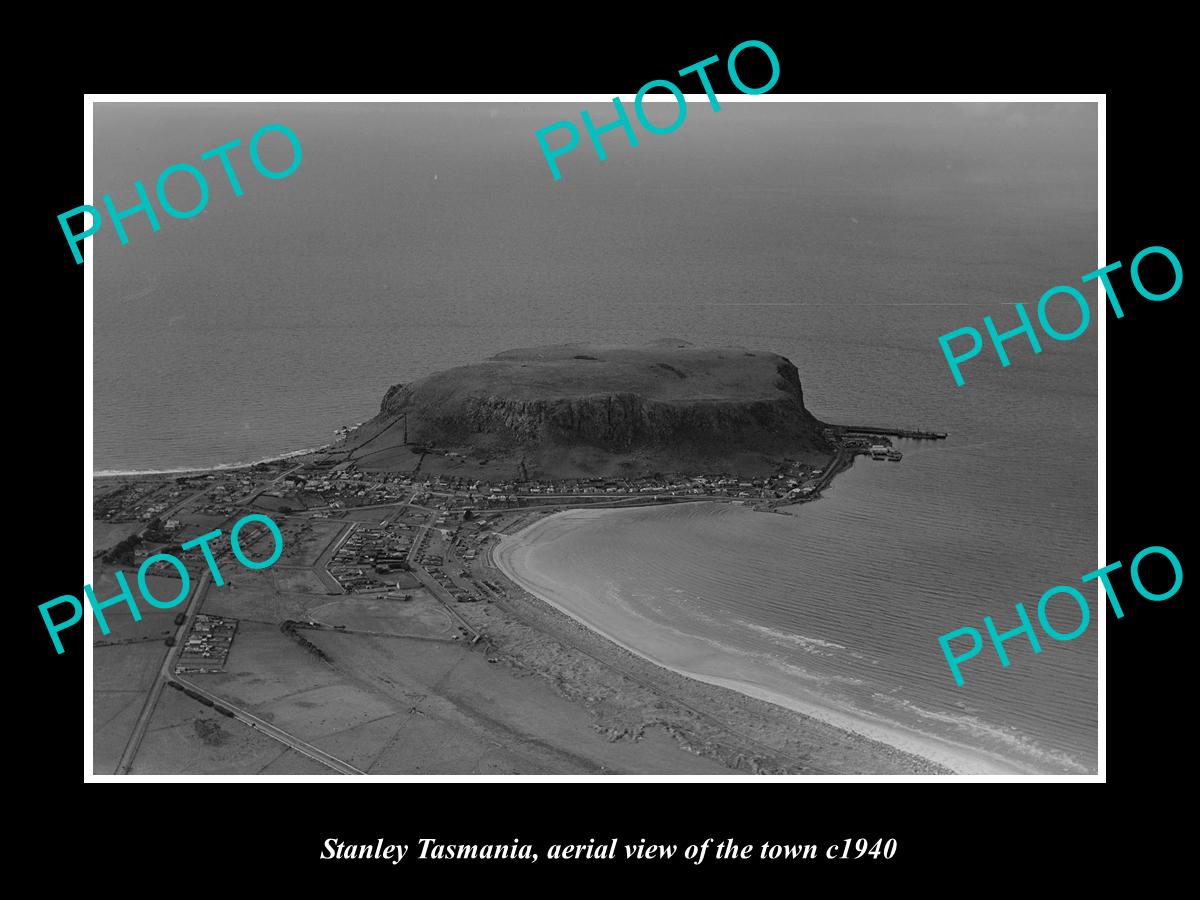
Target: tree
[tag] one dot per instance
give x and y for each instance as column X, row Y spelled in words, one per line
column 123, row 552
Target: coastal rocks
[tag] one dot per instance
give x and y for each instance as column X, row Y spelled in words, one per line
column 389, row 398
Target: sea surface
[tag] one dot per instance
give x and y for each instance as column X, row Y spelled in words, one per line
column 847, row 238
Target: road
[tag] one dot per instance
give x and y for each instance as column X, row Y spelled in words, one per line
column 321, row 566
column 271, row 731
column 399, row 504
column 308, row 626
column 164, row 673
column 435, row 590
column 249, row 500
column 420, row 533
column 842, row 459
column 442, row 596
column 182, row 503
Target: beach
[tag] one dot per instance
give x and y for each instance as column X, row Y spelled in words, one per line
column 219, row 467
column 639, row 626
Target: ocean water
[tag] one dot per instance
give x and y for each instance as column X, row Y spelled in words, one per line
column 415, row 237
column 839, row 608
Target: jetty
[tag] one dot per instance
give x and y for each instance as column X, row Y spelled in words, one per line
column 910, row 434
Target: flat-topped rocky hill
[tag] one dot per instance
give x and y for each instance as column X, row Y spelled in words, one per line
column 583, row 409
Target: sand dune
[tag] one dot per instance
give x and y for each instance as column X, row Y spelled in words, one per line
column 620, row 620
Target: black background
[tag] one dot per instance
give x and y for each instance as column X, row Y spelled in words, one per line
column 951, row 836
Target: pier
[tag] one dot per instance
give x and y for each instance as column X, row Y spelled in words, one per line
column 892, row 432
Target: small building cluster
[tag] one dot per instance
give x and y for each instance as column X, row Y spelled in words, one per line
column 140, row 501
column 207, row 645
column 369, row 555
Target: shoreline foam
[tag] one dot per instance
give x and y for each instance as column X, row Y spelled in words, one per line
column 509, row 558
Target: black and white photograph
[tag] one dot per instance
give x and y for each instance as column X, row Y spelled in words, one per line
column 496, row 436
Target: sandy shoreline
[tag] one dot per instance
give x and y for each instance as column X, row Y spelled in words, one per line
column 220, row 467
column 673, row 652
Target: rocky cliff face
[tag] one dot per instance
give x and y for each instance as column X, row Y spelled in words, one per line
column 617, row 421
column 702, row 406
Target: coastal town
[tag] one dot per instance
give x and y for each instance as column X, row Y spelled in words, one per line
column 402, row 530
column 431, row 522
column 319, row 486
column 370, row 554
